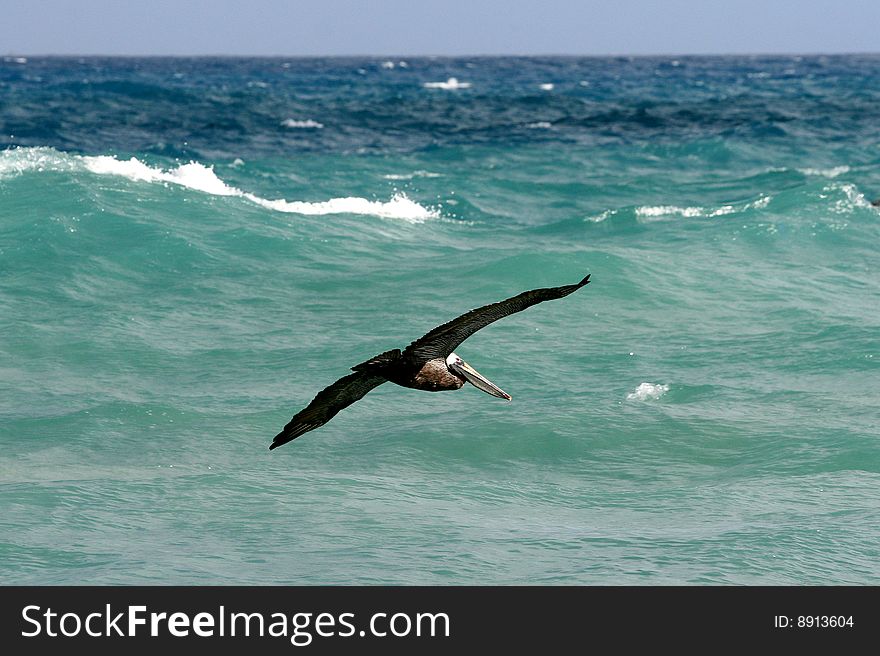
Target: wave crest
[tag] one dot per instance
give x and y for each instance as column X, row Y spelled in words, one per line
column 647, row 391
column 200, row 177
column 451, row 84
column 302, row 124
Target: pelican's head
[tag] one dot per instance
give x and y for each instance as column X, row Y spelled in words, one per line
column 466, row 372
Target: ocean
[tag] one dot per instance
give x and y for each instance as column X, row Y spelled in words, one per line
column 190, row 249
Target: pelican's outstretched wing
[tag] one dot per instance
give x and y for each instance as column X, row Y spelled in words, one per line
column 444, row 339
column 326, row 404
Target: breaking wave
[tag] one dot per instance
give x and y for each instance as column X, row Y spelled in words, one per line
column 200, row 177
column 647, row 391
column 451, row 84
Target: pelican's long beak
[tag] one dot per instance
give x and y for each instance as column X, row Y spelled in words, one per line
column 478, row 380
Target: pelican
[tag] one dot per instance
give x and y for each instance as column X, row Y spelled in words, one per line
column 429, row 363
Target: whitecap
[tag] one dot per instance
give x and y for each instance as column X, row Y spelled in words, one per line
column 540, row 125
column 598, row 218
column 852, row 198
column 647, row 391
column 450, row 85
column 399, row 207
column 659, row 212
column 759, row 204
column 654, row 211
column 826, row 173
column 547, row 86
column 15, row 161
column 721, row 211
column 306, row 124
column 192, row 175
column 388, row 64
column 199, row 177
column 410, row 176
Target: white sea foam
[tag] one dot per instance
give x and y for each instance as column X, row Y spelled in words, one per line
column 647, row 391
column 654, row 211
column 827, row 173
column 16, row 161
column 852, row 197
column 759, row 204
column 399, row 207
column 650, row 212
column 721, row 211
column 450, row 85
column 410, row 176
column 659, row 212
column 307, row 124
column 547, row 86
column 540, row 125
column 598, row 218
column 199, row 177
column 193, row 175
column 388, row 64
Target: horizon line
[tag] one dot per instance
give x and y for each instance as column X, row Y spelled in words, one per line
column 15, row 55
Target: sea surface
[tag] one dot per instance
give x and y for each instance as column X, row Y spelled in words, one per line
column 190, row 249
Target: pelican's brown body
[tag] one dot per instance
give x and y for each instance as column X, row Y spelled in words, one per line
column 434, row 376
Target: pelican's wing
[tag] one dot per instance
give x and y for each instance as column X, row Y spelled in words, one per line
column 444, row 339
column 326, row 404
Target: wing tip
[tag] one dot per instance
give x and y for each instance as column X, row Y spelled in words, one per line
column 277, row 442
column 585, row 281
column 283, row 438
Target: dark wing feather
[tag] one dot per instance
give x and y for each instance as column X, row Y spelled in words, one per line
column 326, row 404
column 444, row 339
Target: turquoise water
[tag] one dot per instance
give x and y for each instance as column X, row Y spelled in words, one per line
column 190, row 249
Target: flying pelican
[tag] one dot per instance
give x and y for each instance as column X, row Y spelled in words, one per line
column 428, row 364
